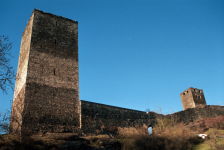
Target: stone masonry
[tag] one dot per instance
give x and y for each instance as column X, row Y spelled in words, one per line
column 101, row 117
column 46, row 96
column 193, row 114
column 192, row 98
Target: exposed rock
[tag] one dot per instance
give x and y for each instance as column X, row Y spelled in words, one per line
column 107, row 142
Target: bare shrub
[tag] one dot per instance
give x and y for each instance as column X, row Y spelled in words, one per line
column 166, row 135
column 4, row 121
column 7, row 75
column 113, row 130
column 215, row 122
column 130, row 132
column 98, row 131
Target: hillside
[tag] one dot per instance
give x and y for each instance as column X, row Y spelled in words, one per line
column 167, row 134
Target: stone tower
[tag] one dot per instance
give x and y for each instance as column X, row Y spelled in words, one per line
column 192, row 98
column 46, row 96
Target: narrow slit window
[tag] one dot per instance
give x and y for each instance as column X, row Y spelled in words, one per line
column 53, row 94
column 55, row 42
column 54, row 71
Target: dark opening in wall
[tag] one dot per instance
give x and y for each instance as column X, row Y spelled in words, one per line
column 184, row 93
column 199, row 91
column 187, row 91
column 150, row 130
column 54, row 71
column 196, row 96
column 55, row 42
column 56, row 23
column 194, row 90
column 53, row 94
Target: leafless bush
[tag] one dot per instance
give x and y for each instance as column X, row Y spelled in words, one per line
column 166, row 135
column 130, row 132
column 215, row 122
column 4, row 121
column 6, row 71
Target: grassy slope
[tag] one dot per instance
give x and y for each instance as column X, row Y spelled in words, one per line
column 213, row 142
column 170, row 135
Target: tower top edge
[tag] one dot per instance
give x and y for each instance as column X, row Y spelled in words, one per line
column 52, row 15
column 191, row 88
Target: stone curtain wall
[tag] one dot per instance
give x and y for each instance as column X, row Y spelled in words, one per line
column 102, row 118
column 99, row 117
column 193, row 114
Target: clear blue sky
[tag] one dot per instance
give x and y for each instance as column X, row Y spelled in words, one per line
column 135, row 54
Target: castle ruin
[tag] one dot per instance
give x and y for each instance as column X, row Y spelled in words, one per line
column 46, row 96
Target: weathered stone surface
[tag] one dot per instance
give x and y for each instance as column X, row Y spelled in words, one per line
column 193, row 114
column 101, row 118
column 192, row 98
column 46, row 95
column 19, row 93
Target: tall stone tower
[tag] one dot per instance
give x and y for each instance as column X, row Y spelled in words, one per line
column 192, row 98
column 46, row 96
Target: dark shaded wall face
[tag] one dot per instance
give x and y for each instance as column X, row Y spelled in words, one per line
column 199, row 97
column 51, row 100
column 52, row 91
column 193, row 114
column 97, row 118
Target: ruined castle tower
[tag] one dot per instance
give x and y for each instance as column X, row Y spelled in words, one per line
column 192, row 98
column 46, row 96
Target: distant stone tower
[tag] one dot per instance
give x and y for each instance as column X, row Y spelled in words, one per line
column 192, row 98
column 46, row 96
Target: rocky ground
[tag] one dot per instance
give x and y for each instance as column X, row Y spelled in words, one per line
column 58, row 141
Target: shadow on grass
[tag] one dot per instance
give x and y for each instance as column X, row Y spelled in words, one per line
column 152, row 142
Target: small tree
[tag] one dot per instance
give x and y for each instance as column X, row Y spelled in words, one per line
column 6, row 71
column 4, row 122
column 6, row 78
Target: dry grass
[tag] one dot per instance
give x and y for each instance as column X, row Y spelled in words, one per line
column 166, row 135
column 215, row 142
column 101, row 137
column 175, row 131
column 11, row 141
column 169, row 135
column 132, row 131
